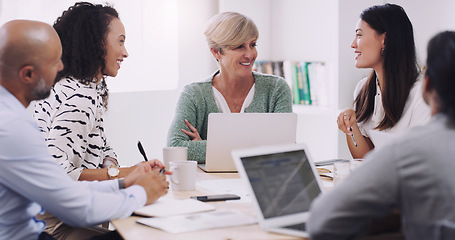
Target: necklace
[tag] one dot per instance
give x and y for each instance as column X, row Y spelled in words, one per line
column 234, row 103
column 235, row 106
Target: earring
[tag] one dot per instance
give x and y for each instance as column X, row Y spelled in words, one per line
column 381, row 51
column 218, row 60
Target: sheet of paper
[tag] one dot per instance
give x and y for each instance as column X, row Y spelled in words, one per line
column 222, row 186
column 327, row 184
column 199, row 221
column 164, row 207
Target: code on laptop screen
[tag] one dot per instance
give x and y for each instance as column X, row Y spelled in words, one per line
column 283, row 183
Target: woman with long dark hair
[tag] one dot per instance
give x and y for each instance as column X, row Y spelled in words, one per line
column 389, row 100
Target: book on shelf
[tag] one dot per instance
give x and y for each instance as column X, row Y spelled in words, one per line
column 308, row 81
column 304, row 83
column 299, row 84
column 290, row 76
column 278, row 69
column 264, row 67
column 320, row 87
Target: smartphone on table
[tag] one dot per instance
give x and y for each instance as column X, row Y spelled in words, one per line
column 216, row 197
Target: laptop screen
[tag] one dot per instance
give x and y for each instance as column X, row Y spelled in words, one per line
column 283, row 183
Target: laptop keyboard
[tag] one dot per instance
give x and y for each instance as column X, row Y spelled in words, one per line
column 299, row 227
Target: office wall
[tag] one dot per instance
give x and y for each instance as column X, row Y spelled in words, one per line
column 151, row 37
column 323, row 31
column 167, row 51
column 428, row 19
column 146, row 115
column 307, row 31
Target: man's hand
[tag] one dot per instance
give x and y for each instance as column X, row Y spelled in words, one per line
column 140, row 169
column 147, row 175
column 154, row 183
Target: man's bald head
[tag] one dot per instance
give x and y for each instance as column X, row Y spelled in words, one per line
column 25, row 42
column 30, row 57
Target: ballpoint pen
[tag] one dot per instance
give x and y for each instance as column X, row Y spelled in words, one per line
column 141, row 150
column 352, row 136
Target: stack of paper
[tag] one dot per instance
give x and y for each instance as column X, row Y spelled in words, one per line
column 199, row 221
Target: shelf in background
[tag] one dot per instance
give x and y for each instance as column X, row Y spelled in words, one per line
column 313, row 110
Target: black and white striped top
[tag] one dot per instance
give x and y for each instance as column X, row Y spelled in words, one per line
column 71, row 120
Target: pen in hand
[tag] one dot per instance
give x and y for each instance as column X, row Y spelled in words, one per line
column 353, row 139
column 141, row 149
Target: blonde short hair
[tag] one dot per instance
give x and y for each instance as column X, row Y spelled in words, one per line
column 229, row 30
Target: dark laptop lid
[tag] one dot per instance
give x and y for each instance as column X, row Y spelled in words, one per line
column 283, row 182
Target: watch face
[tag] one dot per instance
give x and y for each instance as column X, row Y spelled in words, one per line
column 113, row 171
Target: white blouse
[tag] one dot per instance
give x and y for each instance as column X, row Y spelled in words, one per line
column 416, row 112
column 222, row 104
column 71, row 121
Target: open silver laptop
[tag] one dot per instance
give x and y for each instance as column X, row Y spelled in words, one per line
column 228, row 131
column 283, row 182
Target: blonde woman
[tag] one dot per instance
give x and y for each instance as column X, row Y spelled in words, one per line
column 233, row 88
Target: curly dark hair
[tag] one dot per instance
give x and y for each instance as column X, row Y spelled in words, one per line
column 82, row 30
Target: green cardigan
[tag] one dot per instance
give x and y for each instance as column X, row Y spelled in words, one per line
column 272, row 95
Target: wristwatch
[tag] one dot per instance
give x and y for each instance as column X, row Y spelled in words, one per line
column 113, row 171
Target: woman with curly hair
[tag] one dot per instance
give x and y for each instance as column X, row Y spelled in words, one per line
column 71, row 118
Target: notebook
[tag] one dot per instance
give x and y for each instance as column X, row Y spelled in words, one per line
column 228, row 131
column 283, row 182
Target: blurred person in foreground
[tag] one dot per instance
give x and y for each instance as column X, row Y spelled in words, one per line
column 413, row 173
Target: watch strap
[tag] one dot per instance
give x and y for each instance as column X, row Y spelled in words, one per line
column 121, row 183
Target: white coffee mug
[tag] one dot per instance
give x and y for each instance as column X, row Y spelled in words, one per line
column 184, row 175
column 174, row 154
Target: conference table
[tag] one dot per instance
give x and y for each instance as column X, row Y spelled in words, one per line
column 130, row 229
